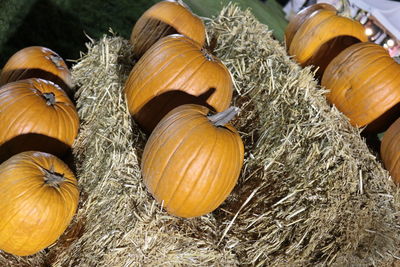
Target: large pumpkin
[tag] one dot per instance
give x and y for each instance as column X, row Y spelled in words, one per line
column 390, row 150
column 39, row 197
column 364, row 84
column 176, row 71
column 192, row 161
column 322, row 36
column 302, row 16
column 37, row 62
column 162, row 19
column 36, row 115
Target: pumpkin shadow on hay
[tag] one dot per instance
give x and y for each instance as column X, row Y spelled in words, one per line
column 37, row 142
column 74, row 231
column 42, row 74
column 154, row 110
column 379, row 126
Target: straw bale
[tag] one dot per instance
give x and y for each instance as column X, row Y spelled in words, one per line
column 123, row 224
column 310, row 193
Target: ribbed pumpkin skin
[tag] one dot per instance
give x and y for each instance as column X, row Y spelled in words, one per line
column 175, row 71
column 390, row 150
column 33, row 213
column 364, row 82
column 190, row 165
column 23, row 111
column 37, row 62
column 322, row 36
column 298, row 20
column 162, row 19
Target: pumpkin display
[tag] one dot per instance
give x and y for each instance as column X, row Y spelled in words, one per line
column 37, row 62
column 36, row 114
column 192, row 161
column 364, row 84
column 39, row 196
column 390, row 151
column 298, row 20
column 175, row 71
column 322, row 36
column 162, row 19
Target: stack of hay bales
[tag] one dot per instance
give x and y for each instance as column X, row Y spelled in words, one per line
column 310, row 193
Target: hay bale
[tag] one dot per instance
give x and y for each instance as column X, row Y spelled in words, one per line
column 310, row 193
column 315, row 194
column 123, row 224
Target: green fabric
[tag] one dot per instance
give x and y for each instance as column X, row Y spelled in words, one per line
column 269, row 13
column 61, row 25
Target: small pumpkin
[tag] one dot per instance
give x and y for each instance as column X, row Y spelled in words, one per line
column 162, row 19
column 302, row 16
column 39, row 196
column 36, row 114
column 322, row 36
column 390, row 151
column 192, row 161
column 364, row 84
column 175, row 71
column 37, row 62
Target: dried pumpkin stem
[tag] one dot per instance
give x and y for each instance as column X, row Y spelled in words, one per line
column 180, row 2
column 222, row 118
column 53, row 179
column 207, row 54
column 50, row 99
column 57, row 61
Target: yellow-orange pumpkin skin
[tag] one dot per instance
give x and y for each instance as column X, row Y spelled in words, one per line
column 364, row 83
column 39, row 196
column 37, row 62
column 36, row 114
column 322, row 36
column 175, row 71
column 162, row 19
column 390, row 151
column 189, row 164
column 298, row 20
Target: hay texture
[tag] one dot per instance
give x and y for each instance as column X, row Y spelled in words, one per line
column 310, row 192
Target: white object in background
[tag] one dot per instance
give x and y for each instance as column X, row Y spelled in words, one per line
column 385, row 11
column 292, row 7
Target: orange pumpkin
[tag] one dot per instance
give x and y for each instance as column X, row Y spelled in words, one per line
column 322, row 36
column 37, row 62
column 36, row 114
column 364, row 84
column 302, row 16
column 39, row 196
column 162, row 19
column 192, row 161
column 176, row 71
column 390, row 150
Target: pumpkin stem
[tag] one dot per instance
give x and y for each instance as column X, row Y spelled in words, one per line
column 207, row 54
column 180, row 2
column 50, row 98
column 57, row 60
column 52, row 178
column 222, row 118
